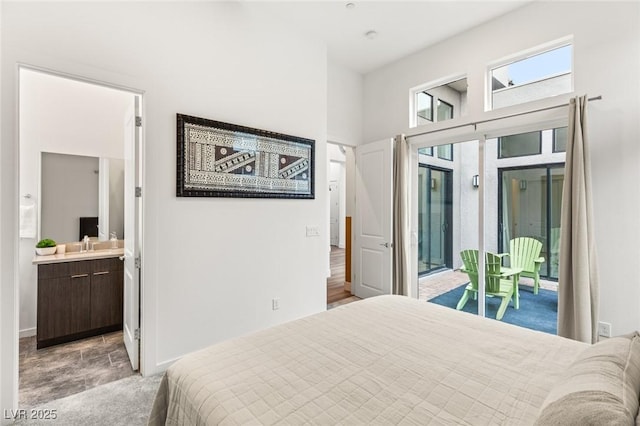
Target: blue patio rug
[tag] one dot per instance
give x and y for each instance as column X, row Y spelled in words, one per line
column 537, row 312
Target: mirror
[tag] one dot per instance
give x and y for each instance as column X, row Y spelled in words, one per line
column 75, row 187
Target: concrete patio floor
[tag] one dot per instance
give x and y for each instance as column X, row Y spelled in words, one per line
column 438, row 283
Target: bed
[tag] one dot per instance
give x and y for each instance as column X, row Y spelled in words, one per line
column 396, row 360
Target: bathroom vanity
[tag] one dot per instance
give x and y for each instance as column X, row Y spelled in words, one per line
column 80, row 294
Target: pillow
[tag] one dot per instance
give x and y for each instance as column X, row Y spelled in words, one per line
column 601, row 387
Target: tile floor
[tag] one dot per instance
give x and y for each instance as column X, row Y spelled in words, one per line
column 63, row 370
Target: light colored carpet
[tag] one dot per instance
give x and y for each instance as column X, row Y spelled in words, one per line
column 125, row 402
column 342, row 302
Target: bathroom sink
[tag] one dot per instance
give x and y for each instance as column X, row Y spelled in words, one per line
column 76, row 247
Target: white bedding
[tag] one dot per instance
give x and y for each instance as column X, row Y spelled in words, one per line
column 385, row 360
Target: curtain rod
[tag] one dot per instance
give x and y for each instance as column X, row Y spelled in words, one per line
column 595, row 98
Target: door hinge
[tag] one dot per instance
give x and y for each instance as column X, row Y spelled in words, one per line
column 138, row 191
column 136, row 334
column 138, row 121
column 138, row 262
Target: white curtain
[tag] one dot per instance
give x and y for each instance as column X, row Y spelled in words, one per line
column 578, row 290
column 401, row 268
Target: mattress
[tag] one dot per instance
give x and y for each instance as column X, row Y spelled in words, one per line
column 384, row 360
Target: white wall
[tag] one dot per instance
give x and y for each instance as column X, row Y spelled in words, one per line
column 605, row 62
column 210, row 266
column 344, row 105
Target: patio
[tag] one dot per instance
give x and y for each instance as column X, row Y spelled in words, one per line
column 438, row 283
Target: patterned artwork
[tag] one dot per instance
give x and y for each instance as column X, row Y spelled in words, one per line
column 218, row 159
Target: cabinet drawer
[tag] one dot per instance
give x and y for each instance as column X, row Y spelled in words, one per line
column 109, row 264
column 66, row 269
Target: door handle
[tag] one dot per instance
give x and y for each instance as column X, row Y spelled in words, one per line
column 387, row 245
column 79, row 276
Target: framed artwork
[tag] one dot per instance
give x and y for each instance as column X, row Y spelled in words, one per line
column 217, row 159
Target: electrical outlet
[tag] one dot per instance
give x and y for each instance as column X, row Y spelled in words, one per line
column 313, row 231
column 275, row 304
column 604, row 329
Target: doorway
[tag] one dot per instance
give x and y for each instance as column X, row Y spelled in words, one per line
column 435, row 236
column 341, row 186
column 68, row 120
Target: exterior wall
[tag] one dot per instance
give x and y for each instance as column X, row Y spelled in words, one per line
column 450, row 96
column 210, row 266
column 537, row 90
column 605, row 63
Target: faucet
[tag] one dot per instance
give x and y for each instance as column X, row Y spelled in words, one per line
column 85, row 244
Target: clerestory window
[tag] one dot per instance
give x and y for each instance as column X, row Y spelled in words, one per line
column 532, row 77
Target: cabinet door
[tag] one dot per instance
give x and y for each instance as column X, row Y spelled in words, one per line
column 79, row 303
column 63, row 306
column 106, row 298
column 53, row 312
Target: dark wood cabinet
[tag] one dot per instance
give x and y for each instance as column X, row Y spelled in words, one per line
column 78, row 299
column 106, row 293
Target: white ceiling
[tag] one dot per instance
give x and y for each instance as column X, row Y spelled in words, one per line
column 403, row 27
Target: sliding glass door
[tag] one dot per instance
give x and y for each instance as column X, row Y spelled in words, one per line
column 434, row 218
column 529, row 206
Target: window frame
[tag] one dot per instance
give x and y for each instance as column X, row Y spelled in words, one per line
column 522, row 55
column 429, row 151
column 423, row 92
column 438, row 152
column 553, row 139
column 425, row 87
column 447, row 104
column 500, row 157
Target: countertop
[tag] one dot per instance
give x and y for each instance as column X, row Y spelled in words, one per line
column 77, row 256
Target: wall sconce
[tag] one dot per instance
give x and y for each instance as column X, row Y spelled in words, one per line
column 475, row 181
column 523, row 185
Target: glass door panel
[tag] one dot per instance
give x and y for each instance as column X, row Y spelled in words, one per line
column 530, row 203
column 434, row 219
column 447, row 222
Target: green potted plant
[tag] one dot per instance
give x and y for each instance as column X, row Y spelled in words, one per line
column 45, row 247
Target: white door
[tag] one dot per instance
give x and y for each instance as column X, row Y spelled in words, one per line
column 132, row 232
column 373, row 255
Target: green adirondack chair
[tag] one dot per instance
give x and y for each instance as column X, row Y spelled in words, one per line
column 495, row 285
column 524, row 252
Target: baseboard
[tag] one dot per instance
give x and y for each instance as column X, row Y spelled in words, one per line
column 28, row 332
column 161, row 367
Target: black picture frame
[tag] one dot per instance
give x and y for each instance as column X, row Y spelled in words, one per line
column 217, row 159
